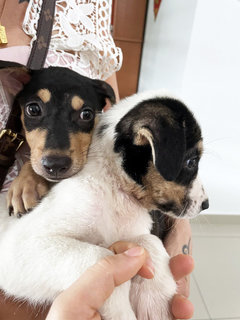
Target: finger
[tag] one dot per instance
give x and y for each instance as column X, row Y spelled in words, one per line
column 121, row 246
column 99, row 281
column 147, row 270
column 181, row 265
column 181, row 307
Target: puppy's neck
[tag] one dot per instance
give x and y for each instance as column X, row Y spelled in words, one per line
column 106, row 165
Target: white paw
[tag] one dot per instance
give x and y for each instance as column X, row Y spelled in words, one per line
column 151, row 299
column 117, row 306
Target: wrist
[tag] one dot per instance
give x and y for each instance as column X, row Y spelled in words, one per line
column 179, row 238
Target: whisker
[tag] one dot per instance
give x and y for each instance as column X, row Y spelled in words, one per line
column 27, row 156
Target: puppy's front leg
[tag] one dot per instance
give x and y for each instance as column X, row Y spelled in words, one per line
column 26, row 191
column 151, row 298
column 39, row 273
column 117, row 306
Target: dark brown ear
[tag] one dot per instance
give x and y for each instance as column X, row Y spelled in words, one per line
column 105, row 91
column 17, row 70
column 168, row 147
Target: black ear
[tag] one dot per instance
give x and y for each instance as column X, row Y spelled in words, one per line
column 105, row 91
column 17, row 70
column 168, row 147
column 10, row 64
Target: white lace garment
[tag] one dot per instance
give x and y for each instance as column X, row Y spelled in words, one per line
column 81, row 38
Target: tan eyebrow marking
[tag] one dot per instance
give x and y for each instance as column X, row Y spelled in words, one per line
column 77, row 103
column 44, row 95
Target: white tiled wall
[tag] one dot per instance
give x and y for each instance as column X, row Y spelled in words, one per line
column 215, row 283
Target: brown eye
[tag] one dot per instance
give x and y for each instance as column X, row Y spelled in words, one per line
column 86, row 114
column 33, row 110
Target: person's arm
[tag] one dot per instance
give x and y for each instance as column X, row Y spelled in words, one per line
column 113, row 83
column 178, row 241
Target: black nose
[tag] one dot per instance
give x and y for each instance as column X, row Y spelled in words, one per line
column 56, row 165
column 205, row 205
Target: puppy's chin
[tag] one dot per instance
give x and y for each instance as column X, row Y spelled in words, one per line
column 189, row 211
column 55, row 178
column 181, row 215
column 59, row 178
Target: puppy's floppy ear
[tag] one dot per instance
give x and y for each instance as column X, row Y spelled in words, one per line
column 168, row 146
column 105, row 91
column 17, row 71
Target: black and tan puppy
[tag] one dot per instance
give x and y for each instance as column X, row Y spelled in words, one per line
column 59, row 111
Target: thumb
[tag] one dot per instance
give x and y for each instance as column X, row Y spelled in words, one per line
column 99, row 281
column 96, row 284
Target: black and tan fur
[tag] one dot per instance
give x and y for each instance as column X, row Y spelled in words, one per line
column 59, row 111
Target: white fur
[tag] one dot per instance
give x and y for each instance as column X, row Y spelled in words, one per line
column 198, row 196
column 44, row 252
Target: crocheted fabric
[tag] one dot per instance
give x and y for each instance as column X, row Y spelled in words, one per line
column 81, row 38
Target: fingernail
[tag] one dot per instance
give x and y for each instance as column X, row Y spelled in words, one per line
column 182, row 297
column 150, row 266
column 134, row 252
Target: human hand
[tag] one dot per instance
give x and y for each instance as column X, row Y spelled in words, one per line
column 181, row 266
column 84, row 298
column 178, row 240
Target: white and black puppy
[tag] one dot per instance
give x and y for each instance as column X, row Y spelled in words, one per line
column 144, row 156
